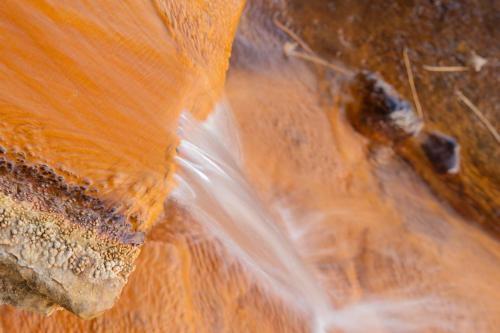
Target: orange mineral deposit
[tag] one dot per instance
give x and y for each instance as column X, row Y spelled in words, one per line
column 93, row 89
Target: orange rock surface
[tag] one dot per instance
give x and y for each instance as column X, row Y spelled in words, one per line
column 94, row 88
column 381, row 233
column 376, row 239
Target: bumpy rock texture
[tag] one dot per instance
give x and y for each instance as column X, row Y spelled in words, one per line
column 90, row 93
column 58, row 246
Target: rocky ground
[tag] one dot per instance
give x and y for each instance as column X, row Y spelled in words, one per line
column 373, row 36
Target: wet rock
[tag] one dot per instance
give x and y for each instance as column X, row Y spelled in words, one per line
column 442, row 151
column 379, row 112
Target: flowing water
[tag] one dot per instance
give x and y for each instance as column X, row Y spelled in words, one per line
column 212, row 186
column 284, row 219
column 272, row 246
column 343, row 233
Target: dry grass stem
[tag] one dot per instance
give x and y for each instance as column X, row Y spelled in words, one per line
column 479, row 114
column 446, row 68
column 290, row 50
column 293, row 35
column 409, row 72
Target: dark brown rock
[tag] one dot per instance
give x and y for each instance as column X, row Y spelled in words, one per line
column 442, row 151
column 379, row 112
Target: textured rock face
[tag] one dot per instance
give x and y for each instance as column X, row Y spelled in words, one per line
column 90, row 93
column 65, row 264
column 58, row 246
column 93, row 89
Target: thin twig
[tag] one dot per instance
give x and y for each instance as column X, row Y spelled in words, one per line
column 479, row 114
column 445, row 68
column 293, row 35
column 416, row 101
column 291, row 52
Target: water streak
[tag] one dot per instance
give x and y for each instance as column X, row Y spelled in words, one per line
column 274, row 244
column 215, row 190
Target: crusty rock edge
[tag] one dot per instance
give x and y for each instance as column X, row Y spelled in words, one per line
column 65, row 263
column 60, row 247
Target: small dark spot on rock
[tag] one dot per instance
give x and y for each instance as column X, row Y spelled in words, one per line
column 443, row 152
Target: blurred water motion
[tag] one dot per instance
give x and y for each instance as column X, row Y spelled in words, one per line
column 336, row 225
